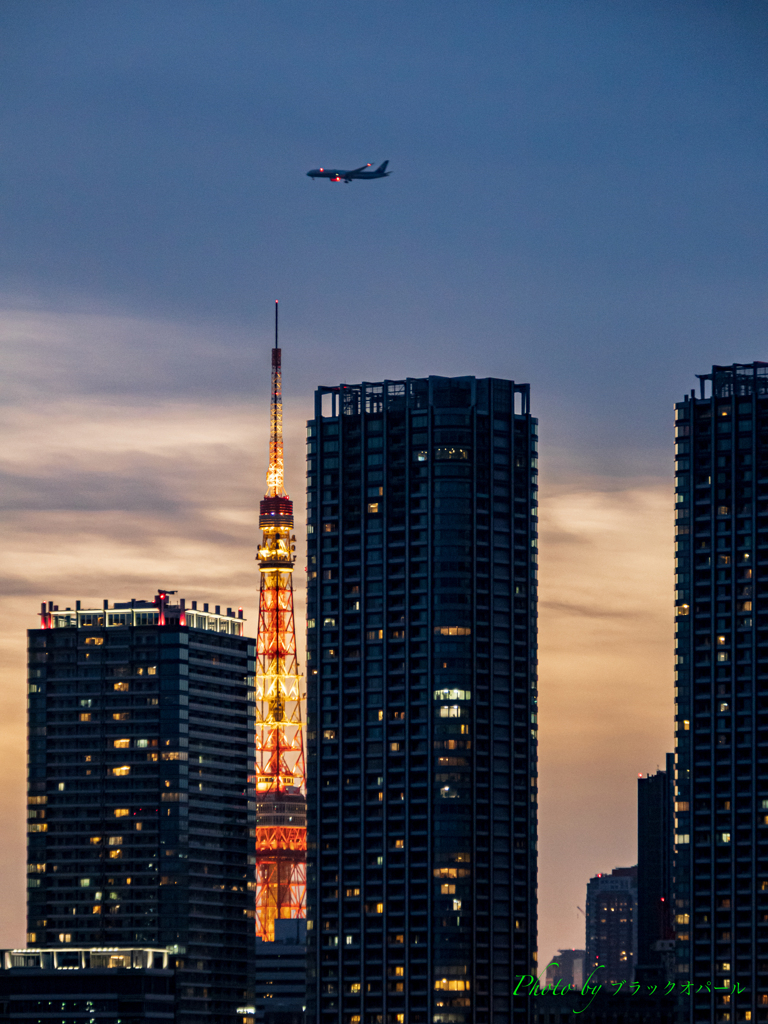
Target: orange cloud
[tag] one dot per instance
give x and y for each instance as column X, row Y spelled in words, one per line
column 605, row 682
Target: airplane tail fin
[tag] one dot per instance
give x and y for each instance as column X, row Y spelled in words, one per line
column 382, row 169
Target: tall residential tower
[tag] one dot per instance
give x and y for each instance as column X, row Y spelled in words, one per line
column 421, row 654
column 140, row 811
column 721, row 711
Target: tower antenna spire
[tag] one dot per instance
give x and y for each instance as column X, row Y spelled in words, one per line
column 275, row 481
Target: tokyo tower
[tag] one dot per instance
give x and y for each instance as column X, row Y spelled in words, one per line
column 281, row 807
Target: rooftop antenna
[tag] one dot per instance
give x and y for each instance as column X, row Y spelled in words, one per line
column 275, row 470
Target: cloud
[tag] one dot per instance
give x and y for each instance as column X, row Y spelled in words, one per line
column 110, row 493
column 605, row 679
column 107, row 495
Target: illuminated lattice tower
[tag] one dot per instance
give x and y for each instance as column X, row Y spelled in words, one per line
column 281, row 809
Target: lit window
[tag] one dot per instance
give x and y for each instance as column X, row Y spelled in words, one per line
column 85, row 716
column 144, row 743
column 450, row 711
column 348, row 940
column 372, row 507
column 121, row 743
column 115, row 841
column 352, row 892
column 121, row 716
column 374, row 634
column 152, row 670
column 121, row 687
column 115, row 854
column 355, row 986
column 96, row 641
column 95, row 840
column 724, row 706
column 460, row 454
column 399, row 843
column 447, row 694
column 84, row 883
column 686, row 724
column 329, row 621
column 682, row 805
column 457, row 904
column 329, row 734
column 725, row 837
column 722, row 655
column 124, row 769
column 446, row 889
column 452, row 985
column 453, row 630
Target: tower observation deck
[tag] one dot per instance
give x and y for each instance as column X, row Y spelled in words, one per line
column 281, row 808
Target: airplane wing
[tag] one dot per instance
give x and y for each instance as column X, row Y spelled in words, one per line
column 357, row 169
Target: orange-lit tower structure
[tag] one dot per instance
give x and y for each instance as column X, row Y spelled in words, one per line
column 281, row 807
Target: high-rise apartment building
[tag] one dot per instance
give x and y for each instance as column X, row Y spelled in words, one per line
column 141, row 812
column 721, row 712
column 655, row 825
column 421, row 656
column 611, row 923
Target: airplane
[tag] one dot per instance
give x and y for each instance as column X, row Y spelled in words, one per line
column 347, row 176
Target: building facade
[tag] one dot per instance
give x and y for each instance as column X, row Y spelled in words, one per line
column 141, row 802
column 567, row 967
column 87, row 986
column 655, row 901
column 422, row 727
column 281, row 974
column 721, row 693
column 611, row 926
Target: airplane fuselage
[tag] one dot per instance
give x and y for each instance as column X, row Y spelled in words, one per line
column 347, row 176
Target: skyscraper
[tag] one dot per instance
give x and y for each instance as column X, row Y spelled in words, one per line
column 721, row 693
column 141, row 819
column 655, row 825
column 611, row 923
column 421, row 656
column 281, row 823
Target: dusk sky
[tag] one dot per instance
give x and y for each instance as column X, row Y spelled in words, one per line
column 578, row 201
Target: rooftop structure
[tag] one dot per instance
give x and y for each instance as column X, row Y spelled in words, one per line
column 87, row 985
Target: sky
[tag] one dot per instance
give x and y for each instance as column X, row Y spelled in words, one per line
column 578, row 201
